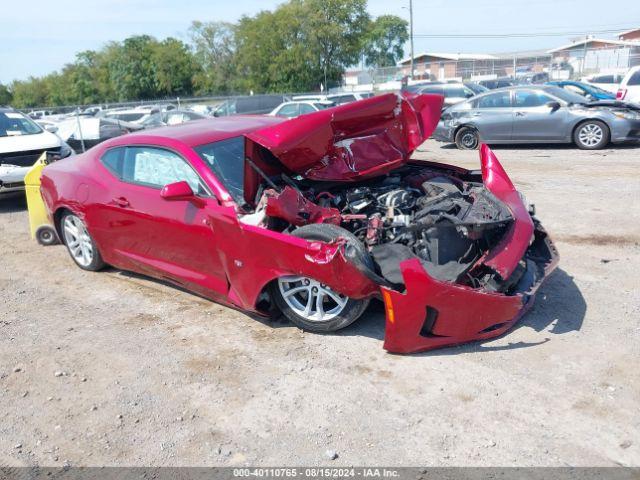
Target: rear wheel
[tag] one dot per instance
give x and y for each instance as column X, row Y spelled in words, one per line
column 467, row 139
column 312, row 305
column 591, row 135
column 79, row 243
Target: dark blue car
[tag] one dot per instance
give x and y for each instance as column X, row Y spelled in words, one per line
column 590, row 92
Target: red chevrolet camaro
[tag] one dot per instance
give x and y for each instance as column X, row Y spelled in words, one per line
column 314, row 216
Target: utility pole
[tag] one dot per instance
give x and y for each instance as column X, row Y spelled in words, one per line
column 411, row 32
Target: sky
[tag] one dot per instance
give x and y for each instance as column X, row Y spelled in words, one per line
column 40, row 36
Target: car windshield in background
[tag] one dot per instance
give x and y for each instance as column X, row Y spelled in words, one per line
column 14, row 123
column 565, row 95
column 322, row 106
column 127, row 117
column 226, row 161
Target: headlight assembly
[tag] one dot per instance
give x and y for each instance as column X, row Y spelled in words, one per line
column 628, row 115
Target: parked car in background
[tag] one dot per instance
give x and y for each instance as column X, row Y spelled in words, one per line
column 84, row 132
column 452, row 92
column 294, row 109
column 132, row 115
column 629, row 90
column 171, row 117
column 36, row 114
column 335, row 98
column 455, row 254
column 609, row 82
column 533, row 78
column 497, row 83
column 254, row 104
column 22, row 141
column 538, row 114
column 475, row 87
column 589, row 92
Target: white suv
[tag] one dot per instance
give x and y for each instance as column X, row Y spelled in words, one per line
column 22, row 141
column 629, row 90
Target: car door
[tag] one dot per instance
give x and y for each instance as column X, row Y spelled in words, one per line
column 493, row 116
column 534, row 119
column 166, row 239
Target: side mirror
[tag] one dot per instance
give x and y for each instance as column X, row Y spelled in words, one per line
column 177, row 191
column 553, row 106
column 51, row 128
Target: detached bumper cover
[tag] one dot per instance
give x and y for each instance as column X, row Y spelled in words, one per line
column 432, row 313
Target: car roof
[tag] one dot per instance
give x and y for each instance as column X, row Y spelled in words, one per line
column 206, row 130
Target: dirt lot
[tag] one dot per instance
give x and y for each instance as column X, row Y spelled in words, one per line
column 113, row 369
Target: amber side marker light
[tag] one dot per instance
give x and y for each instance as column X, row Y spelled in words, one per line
column 388, row 305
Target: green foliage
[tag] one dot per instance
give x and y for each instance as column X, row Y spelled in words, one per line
column 297, row 47
column 300, row 45
column 385, row 40
column 214, row 48
column 5, row 95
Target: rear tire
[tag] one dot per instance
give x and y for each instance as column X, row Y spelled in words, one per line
column 79, row 243
column 591, row 135
column 467, row 138
column 311, row 305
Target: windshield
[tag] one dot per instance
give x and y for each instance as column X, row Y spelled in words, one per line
column 127, row 117
column 323, row 105
column 15, row 123
column 226, row 160
column 155, row 119
column 565, row 95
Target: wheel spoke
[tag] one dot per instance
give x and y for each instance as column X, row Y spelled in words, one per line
column 319, row 304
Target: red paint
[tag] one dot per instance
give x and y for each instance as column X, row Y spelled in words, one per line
column 199, row 243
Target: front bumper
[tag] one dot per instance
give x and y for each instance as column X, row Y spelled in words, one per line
column 443, row 133
column 431, row 313
column 12, row 178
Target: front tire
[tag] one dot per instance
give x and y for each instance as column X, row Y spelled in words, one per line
column 80, row 245
column 467, row 138
column 308, row 303
column 591, row 135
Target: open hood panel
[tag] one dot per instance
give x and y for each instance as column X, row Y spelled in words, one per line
column 353, row 141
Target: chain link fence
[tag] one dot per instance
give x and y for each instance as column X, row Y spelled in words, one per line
column 570, row 64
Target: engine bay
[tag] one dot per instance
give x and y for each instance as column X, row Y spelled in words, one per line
column 445, row 219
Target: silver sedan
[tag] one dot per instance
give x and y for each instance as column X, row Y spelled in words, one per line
column 538, row 114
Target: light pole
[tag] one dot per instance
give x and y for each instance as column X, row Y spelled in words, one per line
column 411, row 33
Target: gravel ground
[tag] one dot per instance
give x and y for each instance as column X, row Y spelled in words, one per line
column 114, row 369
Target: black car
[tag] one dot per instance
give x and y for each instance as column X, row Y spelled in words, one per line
column 254, row 104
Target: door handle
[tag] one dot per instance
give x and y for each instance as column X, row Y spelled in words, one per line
column 520, row 114
column 476, row 114
column 120, row 201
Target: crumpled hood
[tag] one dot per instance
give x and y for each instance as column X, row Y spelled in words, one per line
column 353, row 141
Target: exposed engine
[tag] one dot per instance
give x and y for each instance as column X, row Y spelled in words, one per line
column 448, row 223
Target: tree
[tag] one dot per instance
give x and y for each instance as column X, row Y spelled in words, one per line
column 32, row 92
column 300, row 45
column 214, row 46
column 384, row 43
column 5, row 95
column 132, row 69
column 337, row 31
column 174, row 68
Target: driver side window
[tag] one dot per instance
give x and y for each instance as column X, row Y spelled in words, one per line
column 530, row 99
column 155, row 167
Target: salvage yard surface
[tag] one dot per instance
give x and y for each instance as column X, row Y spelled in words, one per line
column 112, row 368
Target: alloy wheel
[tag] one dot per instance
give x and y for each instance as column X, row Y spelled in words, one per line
column 590, row 135
column 78, row 240
column 311, row 299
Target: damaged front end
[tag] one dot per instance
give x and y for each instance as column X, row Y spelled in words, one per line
column 456, row 254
